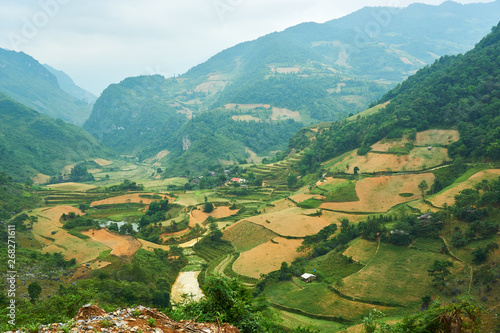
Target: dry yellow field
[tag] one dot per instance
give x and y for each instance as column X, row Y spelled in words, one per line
column 102, row 162
column 437, row 137
column 267, row 257
column 48, row 231
column 448, row 196
column 72, row 187
column 133, row 197
column 418, row 159
column 148, row 246
column 291, row 222
column 379, row 194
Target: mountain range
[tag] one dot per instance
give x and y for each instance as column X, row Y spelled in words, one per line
column 307, row 74
column 48, row 91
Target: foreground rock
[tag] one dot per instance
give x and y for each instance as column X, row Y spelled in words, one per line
column 91, row 318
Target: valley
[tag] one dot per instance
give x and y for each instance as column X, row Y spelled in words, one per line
column 266, row 226
column 306, row 181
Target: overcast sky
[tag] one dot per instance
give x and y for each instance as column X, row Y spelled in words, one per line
column 99, row 42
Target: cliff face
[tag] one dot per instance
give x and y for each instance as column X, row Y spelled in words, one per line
column 91, row 318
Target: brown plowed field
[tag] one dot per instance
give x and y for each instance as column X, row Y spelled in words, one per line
column 267, row 257
column 379, row 194
column 121, row 245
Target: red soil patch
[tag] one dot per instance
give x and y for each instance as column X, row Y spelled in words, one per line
column 267, row 257
column 379, row 194
column 121, row 245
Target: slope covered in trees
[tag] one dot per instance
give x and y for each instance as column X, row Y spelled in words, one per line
column 25, row 80
column 322, row 71
column 456, row 92
column 33, row 143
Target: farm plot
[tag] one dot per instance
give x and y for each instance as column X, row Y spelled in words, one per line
column 448, row 196
column 418, row 159
column 148, row 246
column 437, row 137
column 361, row 250
column 72, row 187
column 317, row 299
column 198, row 216
column 267, row 257
column 379, row 194
column 245, row 235
column 121, row 245
column 395, row 274
column 291, row 222
column 54, row 214
column 126, row 198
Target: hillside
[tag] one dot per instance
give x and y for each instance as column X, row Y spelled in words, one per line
column 25, row 80
column 33, row 143
column 309, row 73
column 456, row 92
column 68, row 85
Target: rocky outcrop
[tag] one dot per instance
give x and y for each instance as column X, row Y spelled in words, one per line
column 91, row 318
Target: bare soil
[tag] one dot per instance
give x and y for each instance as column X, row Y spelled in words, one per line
column 121, row 245
column 186, row 283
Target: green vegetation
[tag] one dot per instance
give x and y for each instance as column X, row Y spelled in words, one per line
column 39, row 144
column 27, row 81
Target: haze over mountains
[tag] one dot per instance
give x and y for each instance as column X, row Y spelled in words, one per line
column 27, row 81
column 307, row 74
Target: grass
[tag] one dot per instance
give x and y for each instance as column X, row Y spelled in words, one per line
column 406, row 195
column 310, row 203
column 333, row 266
column 395, row 274
column 292, row 321
column 245, row 236
column 346, row 192
column 78, row 234
column 316, row 298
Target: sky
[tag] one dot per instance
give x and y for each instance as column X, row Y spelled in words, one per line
column 100, row 42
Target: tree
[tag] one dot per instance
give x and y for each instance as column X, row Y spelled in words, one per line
column 423, row 186
column 34, row 290
column 439, row 271
column 208, row 207
column 356, row 170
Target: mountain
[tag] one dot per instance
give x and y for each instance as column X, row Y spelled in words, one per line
column 457, row 92
column 68, row 85
column 27, row 81
column 32, row 143
column 308, row 73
